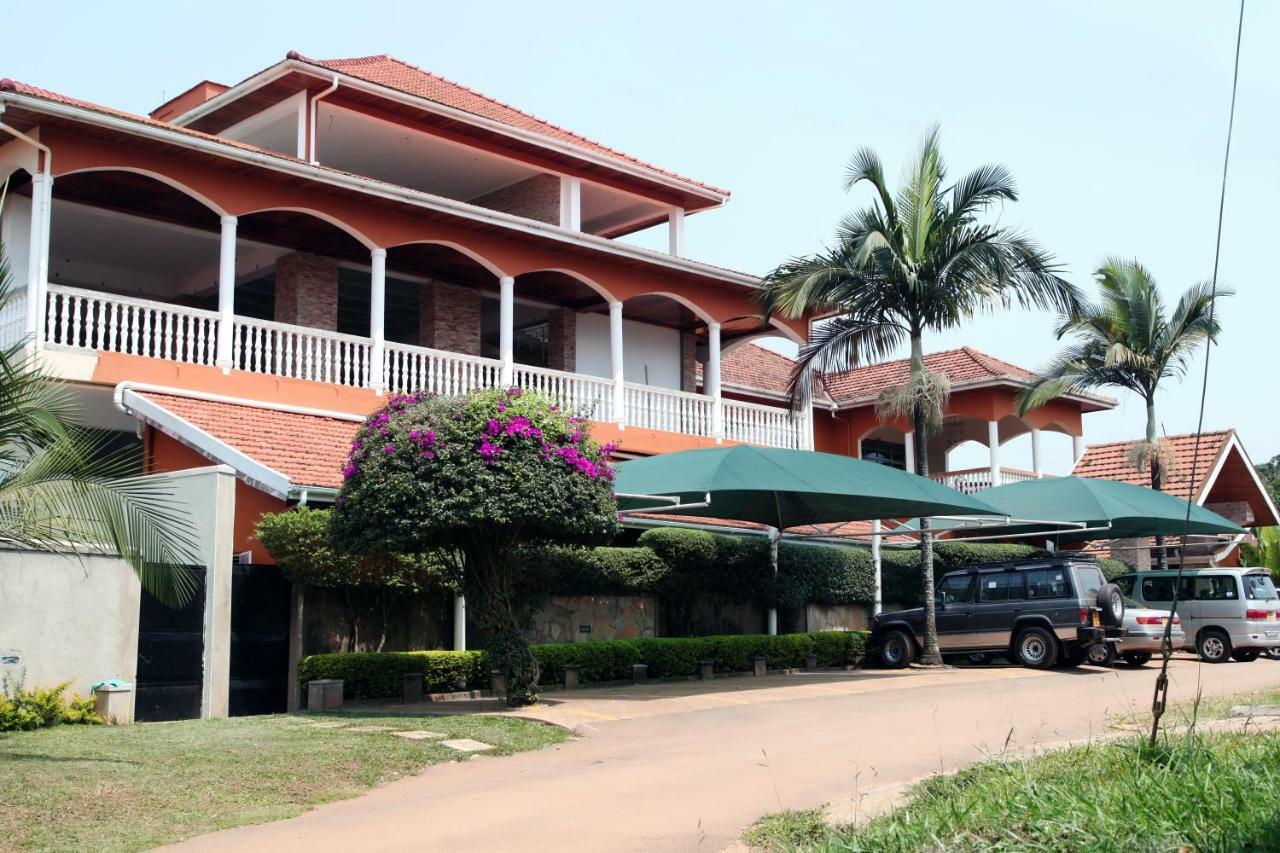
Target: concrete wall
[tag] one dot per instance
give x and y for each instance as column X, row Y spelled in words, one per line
column 837, row 617
column 68, row 618
column 608, row 617
column 650, row 354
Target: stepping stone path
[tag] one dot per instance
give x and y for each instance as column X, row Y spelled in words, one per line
column 466, row 744
column 326, row 725
column 418, row 735
column 1256, row 711
column 366, row 729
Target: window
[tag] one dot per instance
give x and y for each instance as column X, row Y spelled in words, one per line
column 1259, row 588
column 1090, row 579
column 1047, row 583
column 1001, row 586
column 1125, row 582
column 885, row 453
column 957, row 589
column 1216, row 588
column 1157, row 589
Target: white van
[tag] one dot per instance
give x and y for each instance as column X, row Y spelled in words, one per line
column 1226, row 613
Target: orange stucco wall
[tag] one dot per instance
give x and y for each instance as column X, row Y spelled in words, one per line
column 168, row 454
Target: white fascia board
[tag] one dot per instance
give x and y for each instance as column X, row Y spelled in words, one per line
column 978, row 384
column 290, row 65
column 369, row 186
column 1233, row 443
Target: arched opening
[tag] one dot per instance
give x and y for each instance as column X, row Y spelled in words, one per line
column 886, row 445
column 561, row 322
column 664, row 340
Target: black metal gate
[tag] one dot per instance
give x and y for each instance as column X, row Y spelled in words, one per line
column 170, row 657
column 260, row 606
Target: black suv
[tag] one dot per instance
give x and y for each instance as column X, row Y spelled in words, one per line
column 1039, row 612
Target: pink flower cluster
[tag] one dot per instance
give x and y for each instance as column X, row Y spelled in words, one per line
column 519, row 426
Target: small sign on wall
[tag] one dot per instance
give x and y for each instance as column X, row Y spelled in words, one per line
column 10, row 657
column 584, row 629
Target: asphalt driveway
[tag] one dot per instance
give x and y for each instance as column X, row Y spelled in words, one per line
column 687, row 766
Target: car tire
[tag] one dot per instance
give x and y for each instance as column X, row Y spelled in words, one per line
column 1111, row 602
column 1102, row 654
column 1136, row 659
column 1273, row 653
column 1213, row 646
column 978, row 658
column 1246, row 655
column 897, row 650
column 1035, row 648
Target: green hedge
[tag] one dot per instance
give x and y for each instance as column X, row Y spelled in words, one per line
column 370, row 675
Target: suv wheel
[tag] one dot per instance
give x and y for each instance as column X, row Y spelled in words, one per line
column 1102, row 654
column 897, row 650
column 1036, row 648
column 1214, row 646
column 1137, row 658
column 1273, row 653
column 1246, row 655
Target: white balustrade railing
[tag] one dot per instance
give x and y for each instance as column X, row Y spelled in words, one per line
column 295, row 352
column 410, row 369
column 970, row 480
column 85, row 319
column 575, row 392
column 90, row 320
column 13, row 318
column 753, row 423
column 666, row 409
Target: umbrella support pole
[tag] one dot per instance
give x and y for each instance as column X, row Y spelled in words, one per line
column 774, row 536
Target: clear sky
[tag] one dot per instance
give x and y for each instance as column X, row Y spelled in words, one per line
column 1111, row 116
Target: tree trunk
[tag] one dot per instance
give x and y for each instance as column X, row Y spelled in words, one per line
column 1157, row 479
column 501, row 614
column 932, row 655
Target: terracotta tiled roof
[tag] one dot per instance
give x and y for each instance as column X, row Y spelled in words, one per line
column 308, row 449
column 1111, row 462
column 753, row 366
column 386, row 70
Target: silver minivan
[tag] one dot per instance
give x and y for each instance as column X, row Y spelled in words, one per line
column 1226, row 613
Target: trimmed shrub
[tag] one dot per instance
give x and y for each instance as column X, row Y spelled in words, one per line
column 23, row 710
column 824, row 574
column 1112, row 569
column 374, row 675
column 370, row 675
column 563, row 570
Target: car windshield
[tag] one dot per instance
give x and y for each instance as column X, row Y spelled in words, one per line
column 1260, row 588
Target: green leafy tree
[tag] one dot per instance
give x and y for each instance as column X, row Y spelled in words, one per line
column 1270, row 474
column 477, row 479
column 919, row 261
column 1128, row 339
column 66, row 488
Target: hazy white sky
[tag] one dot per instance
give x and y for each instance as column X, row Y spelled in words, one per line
column 1110, row 115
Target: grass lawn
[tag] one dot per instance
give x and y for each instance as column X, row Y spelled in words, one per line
column 1194, row 792
column 134, row 787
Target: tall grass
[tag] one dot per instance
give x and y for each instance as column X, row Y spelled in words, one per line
column 1218, row 792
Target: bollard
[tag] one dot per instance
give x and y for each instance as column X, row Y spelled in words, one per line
column 706, row 669
column 811, row 662
column 413, row 688
column 759, row 667
column 571, row 677
column 324, row 694
column 639, row 673
column 498, row 683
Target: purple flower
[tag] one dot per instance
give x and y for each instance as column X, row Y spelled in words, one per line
column 493, row 427
column 390, row 448
column 349, row 471
column 515, row 392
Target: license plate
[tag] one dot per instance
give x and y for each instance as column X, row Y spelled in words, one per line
column 1097, row 620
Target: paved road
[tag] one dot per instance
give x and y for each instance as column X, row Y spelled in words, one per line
column 687, row 767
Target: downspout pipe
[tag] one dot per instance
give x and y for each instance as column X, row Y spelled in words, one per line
column 41, row 201
column 311, row 137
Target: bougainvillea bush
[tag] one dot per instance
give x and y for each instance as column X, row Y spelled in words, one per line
column 477, row 477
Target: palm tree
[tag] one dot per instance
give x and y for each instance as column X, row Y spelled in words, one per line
column 1128, row 340
column 915, row 262
column 64, row 488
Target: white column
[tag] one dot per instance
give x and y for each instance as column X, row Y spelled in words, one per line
column 507, row 328
column 1035, row 453
column 38, row 257
column 570, row 203
column 878, row 602
column 1077, row 448
column 675, row 231
column 909, row 448
column 615, row 363
column 226, row 293
column 712, row 381
column 993, row 447
column 459, row 623
column 377, row 319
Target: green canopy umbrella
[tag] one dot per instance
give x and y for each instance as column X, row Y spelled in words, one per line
column 782, row 488
column 1094, row 509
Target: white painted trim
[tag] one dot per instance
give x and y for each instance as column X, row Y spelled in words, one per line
column 570, row 203
column 994, row 382
column 286, row 66
column 1233, row 441
column 675, row 232
column 380, row 189
column 145, row 387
